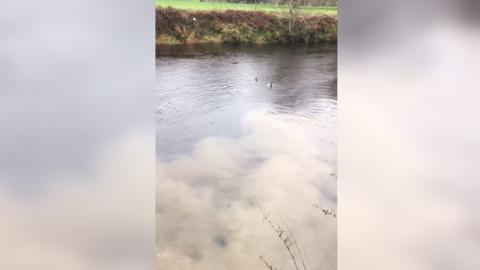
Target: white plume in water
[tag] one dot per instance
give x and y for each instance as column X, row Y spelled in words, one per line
column 208, row 214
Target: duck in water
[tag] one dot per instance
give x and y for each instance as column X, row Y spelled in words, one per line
column 256, row 79
column 270, row 84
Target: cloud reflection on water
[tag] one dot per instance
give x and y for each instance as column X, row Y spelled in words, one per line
column 208, row 214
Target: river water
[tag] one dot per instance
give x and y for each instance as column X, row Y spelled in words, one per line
column 237, row 155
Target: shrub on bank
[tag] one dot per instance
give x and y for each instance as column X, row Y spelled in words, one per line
column 234, row 26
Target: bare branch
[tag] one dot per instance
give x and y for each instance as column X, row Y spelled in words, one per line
column 280, row 231
column 327, row 212
column 295, row 242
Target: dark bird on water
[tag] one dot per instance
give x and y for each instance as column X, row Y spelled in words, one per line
column 256, row 79
column 270, row 84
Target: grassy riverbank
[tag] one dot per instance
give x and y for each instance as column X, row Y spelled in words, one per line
column 174, row 26
column 221, row 6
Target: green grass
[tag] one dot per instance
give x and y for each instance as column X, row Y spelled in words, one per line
column 197, row 5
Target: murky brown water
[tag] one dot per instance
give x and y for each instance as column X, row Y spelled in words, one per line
column 229, row 145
